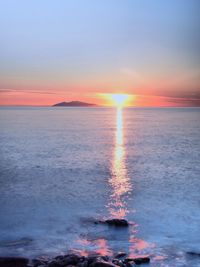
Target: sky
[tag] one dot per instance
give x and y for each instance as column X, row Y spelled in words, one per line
column 63, row 50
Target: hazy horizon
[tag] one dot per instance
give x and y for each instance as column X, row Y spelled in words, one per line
column 78, row 50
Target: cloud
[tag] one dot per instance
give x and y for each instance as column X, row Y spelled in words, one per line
column 189, row 102
column 26, row 91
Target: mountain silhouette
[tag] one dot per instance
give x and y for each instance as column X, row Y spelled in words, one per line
column 74, row 104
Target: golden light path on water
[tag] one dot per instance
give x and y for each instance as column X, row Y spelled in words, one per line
column 121, row 188
column 120, row 182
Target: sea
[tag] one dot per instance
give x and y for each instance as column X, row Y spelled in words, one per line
column 64, row 169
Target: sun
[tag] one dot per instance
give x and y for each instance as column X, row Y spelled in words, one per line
column 119, row 100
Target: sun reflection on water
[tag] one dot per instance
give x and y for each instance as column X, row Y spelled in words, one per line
column 120, row 182
column 118, row 206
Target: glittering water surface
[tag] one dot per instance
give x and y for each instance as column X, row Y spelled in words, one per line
column 61, row 169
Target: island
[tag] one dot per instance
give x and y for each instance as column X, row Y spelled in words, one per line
column 74, row 104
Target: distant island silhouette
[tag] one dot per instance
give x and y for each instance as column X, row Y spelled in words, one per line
column 74, row 104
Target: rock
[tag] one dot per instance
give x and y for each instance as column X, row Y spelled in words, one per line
column 118, row 262
column 128, row 264
column 193, row 253
column 105, row 258
column 59, row 257
column 54, row 263
column 127, row 260
column 13, row 262
column 83, row 263
column 38, row 262
column 120, row 255
column 82, row 259
column 69, row 259
column 117, row 222
column 137, row 260
column 92, row 259
column 141, row 260
column 101, row 263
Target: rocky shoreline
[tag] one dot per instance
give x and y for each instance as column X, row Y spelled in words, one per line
column 120, row 259
column 72, row 260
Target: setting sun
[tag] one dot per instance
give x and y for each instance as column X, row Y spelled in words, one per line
column 120, row 99
column 117, row 100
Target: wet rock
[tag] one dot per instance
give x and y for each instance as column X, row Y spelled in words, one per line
column 54, row 263
column 117, row 222
column 70, row 259
column 120, row 255
column 61, row 262
column 128, row 264
column 59, row 257
column 127, row 260
column 101, row 263
column 38, row 262
column 193, row 253
column 13, row 262
column 118, row 262
column 92, row 259
column 82, row 259
column 105, row 258
column 141, row 260
column 83, row 263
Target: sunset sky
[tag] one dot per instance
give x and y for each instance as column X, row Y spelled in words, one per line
column 63, row 50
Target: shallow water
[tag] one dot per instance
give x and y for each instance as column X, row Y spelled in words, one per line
column 63, row 168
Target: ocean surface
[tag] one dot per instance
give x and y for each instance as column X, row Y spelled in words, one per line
column 62, row 169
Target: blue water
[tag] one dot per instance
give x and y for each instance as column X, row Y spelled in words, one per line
column 63, row 168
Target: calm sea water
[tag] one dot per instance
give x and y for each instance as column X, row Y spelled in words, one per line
column 63, row 168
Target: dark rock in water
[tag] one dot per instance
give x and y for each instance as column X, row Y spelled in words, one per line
column 13, row 262
column 120, row 255
column 193, row 253
column 105, row 258
column 59, row 257
column 38, row 262
column 128, row 264
column 82, row 259
column 71, row 259
column 92, row 259
column 62, row 261
column 54, row 263
column 128, row 260
column 101, row 263
column 141, row 260
column 115, row 261
column 117, row 222
column 83, row 263
column 119, row 263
